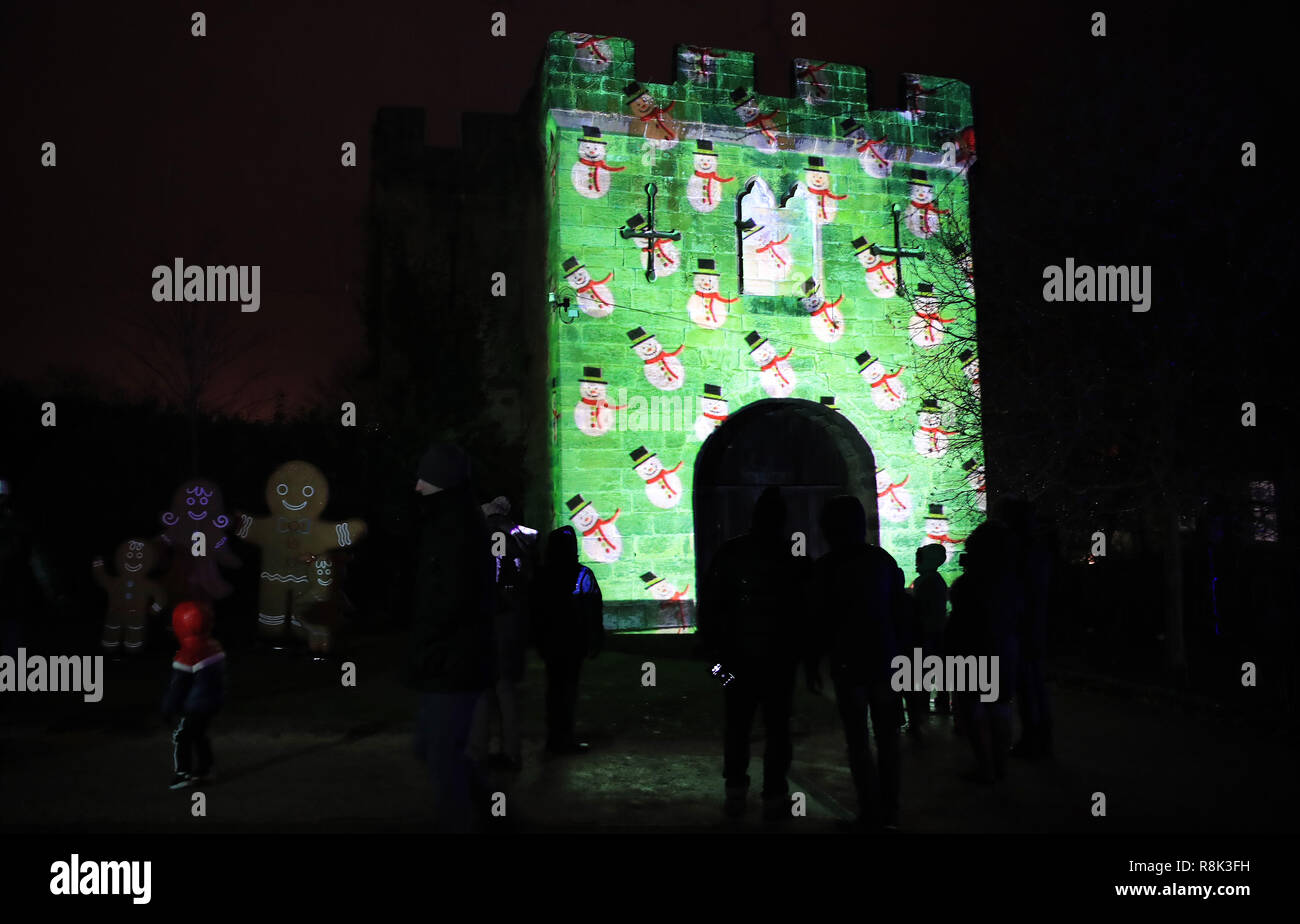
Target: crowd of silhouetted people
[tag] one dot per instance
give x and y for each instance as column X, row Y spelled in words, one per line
column 762, row 611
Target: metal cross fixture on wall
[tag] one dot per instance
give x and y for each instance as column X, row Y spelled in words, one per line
column 648, row 232
column 898, row 252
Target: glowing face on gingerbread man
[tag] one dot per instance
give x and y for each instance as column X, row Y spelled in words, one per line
column 296, row 494
column 197, row 507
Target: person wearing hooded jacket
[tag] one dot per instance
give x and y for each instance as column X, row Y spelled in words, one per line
column 195, row 695
column 567, row 628
column 451, row 650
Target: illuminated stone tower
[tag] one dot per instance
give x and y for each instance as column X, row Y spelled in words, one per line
column 744, row 291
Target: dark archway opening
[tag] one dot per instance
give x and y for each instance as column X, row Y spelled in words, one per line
column 812, row 452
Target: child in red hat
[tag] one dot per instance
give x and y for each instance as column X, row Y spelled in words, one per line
column 195, row 694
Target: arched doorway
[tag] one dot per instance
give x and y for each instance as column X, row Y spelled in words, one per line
column 810, row 451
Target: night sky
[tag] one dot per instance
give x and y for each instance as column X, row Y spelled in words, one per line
column 225, row 149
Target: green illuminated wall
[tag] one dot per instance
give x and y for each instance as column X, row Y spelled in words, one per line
column 586, row 85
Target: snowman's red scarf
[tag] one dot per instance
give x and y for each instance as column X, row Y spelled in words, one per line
column 773, row 364
column 598, row 529
column 926, row 207
column 884, row 381
column 890, row 491
column 934, row 435
column 662, row 358
column 870, row 145
column 657, row 114
column 593, row 45
column 593, row 173
column 822, row 195
column 822, row 310
column 810, row 73
column 880, row 268
column 708, row 186
column 657, row 245
column 944, row 538
column 702, row 64
column 663, row 476
column 591, row 287
column 768, row 248
column 710, row 298
column 763, row 124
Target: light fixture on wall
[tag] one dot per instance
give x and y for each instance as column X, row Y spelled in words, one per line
column 563, row 305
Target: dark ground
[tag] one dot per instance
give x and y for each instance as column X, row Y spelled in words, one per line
column 297, row 751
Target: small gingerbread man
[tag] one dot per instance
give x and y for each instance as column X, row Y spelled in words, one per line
column 132, row 595
column 290, row 537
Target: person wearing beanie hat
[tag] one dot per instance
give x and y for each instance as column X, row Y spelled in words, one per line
column 195, row 694
column 514, row 562
column 451, row 651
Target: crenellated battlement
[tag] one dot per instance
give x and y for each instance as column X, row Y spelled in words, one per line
column 597, row 74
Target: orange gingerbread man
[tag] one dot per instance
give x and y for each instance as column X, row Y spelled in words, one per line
column 291, row 538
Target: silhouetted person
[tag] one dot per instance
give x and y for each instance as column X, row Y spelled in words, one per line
column 987, row 603
column 1037, row 550
column 24, row 579
column 514, row 571
column 858, row 595
column 569, row 627
column 195, row 695
column 750, row 611
column 452, row 652
column 930, row 594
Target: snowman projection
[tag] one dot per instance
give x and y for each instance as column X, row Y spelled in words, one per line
column 892, row 499
column 660, row 130
column 915, row 95
column 593, row 414
column 970, row 367
column 825, row 317
column 601, row 540
column 591, row 51
column 871, row 155
column 966, row 264
column 713, row 411
column 590, row 174
column 753, row 118
column 936, row 530
column 662, row 485
column 821, row 201
column 775, row 374
column 594, row 298
column 662, row 370
column 975, row 478
column 697, row 62
column 704, row 188
column 661, row 590
column 882, row 274
column 926, row 327
column 810, row 82
column 666, row 592
column 931, row 439
column 886, row 390
column 922, row 215
column 667, row 259
column 763, row 251
column 706, row 306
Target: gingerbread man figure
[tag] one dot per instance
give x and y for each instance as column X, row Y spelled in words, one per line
column 296, row 494
column 132, row 595
column 197, row 507
column 323, row 603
